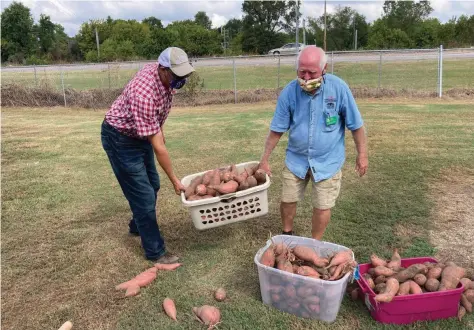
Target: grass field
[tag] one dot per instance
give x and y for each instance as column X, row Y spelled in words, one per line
column 418, row 75
column 64, row 220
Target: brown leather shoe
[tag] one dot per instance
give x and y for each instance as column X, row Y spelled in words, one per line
column 167, row 258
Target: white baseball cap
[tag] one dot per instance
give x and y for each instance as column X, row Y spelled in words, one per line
column 176, row 59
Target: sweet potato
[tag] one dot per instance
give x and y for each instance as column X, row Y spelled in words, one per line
column 461, row 313
column 251, row 169
column 132, row 290
column 395, row 261
column 252, row 182
column 380, row 288
column 432, row 285
column 209, row 315
column 338, row 272
column 450, row 277
column 308, row 254
column 284, row 265
column 466, row 303
column 268, row 257
column 290, row 292
column 260, row 175
column 145, row 278
column 420, row 279
column 370, row 281
column 206, row 179
column 220, row 294
column 304, row 291
column 434, row 272
column 190, row 190
column 167, row 266
column 355, row 294
column 429, row 265
column 376, row 261
column 404, row 289
column 226, row 188
column 280, row 248
column 201, row 190
column 341, row 257
column 307, row 271
column 66, row 326
column 371, row 272
column 170, row 308
column 409, row 273
column 390, row 291
column 381, row 270
column 380, row 279
column 467, row 283
column 469, row 295
column 415, row 288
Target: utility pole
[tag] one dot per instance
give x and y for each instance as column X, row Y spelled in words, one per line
column 355, row 41
column 325, row 25
column 297, row 21
column 304, row 32
column 97, row 40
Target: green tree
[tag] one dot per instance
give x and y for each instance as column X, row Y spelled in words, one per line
column 86, row 35
column 45, row 32
column 426, row 34
column 202, row 19
column 153, row 23
column 465, row 30
column 383, row 37
column 264, row 22
column 18, row 40
column 405, row 15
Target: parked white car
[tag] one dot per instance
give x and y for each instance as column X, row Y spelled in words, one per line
column 287, row 49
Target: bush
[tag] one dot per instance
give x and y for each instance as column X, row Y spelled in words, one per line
column 35, row 60
column 194, row 85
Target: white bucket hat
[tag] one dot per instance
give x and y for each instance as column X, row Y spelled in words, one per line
column 176, row 59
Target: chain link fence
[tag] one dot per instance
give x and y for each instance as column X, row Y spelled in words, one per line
column 427, row 70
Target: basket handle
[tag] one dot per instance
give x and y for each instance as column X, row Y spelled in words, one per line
column 227, row 198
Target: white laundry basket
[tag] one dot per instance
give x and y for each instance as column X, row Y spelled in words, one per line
column 226, row 209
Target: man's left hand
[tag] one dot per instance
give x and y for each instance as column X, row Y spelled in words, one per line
column 362, row 163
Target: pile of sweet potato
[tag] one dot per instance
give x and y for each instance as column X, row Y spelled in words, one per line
column 296, row 295
column 221, row 181
column 387, row 278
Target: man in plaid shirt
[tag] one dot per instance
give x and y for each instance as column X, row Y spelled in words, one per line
column 132, row 133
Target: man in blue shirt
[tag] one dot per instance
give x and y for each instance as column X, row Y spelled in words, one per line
column 315, row 109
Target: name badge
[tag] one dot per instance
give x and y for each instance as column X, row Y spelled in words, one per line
column 331, row 120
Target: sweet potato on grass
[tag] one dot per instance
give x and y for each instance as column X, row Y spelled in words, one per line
column 390, row 291
column 469, row 295
column 432, row 285
column 461, row 313
column 169, row 308
column 466, row 303
column 450, row 277
column 209, row 315
column 467, row 283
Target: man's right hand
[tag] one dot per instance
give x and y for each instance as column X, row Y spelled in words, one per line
column 266, row 167
column 178, row 186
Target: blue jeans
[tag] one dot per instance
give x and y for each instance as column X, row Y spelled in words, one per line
column 133, row 163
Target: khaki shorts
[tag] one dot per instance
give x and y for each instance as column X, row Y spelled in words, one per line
column 324, row 193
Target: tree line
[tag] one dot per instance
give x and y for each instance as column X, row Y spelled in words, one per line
column 264, row 25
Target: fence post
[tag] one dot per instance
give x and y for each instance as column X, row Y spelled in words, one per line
column 108, row 69
column 62, row 83
column 332, row 62
column 278, row 84
column 380, row 68
column 235, row 81
column 440, row 72
column 36, row 80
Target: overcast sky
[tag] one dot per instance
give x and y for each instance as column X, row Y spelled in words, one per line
column 71, row 14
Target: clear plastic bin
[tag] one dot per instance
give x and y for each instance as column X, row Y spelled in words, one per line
column 226, row 209
column 299, row 295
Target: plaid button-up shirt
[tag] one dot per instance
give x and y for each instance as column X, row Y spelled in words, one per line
column 143, row 106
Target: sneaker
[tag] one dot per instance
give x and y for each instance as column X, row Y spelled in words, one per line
column 167, row 258
column 287, row 232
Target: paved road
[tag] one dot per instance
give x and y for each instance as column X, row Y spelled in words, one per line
column 269, row 60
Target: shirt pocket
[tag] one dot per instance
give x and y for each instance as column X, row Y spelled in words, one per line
column 331, row 117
